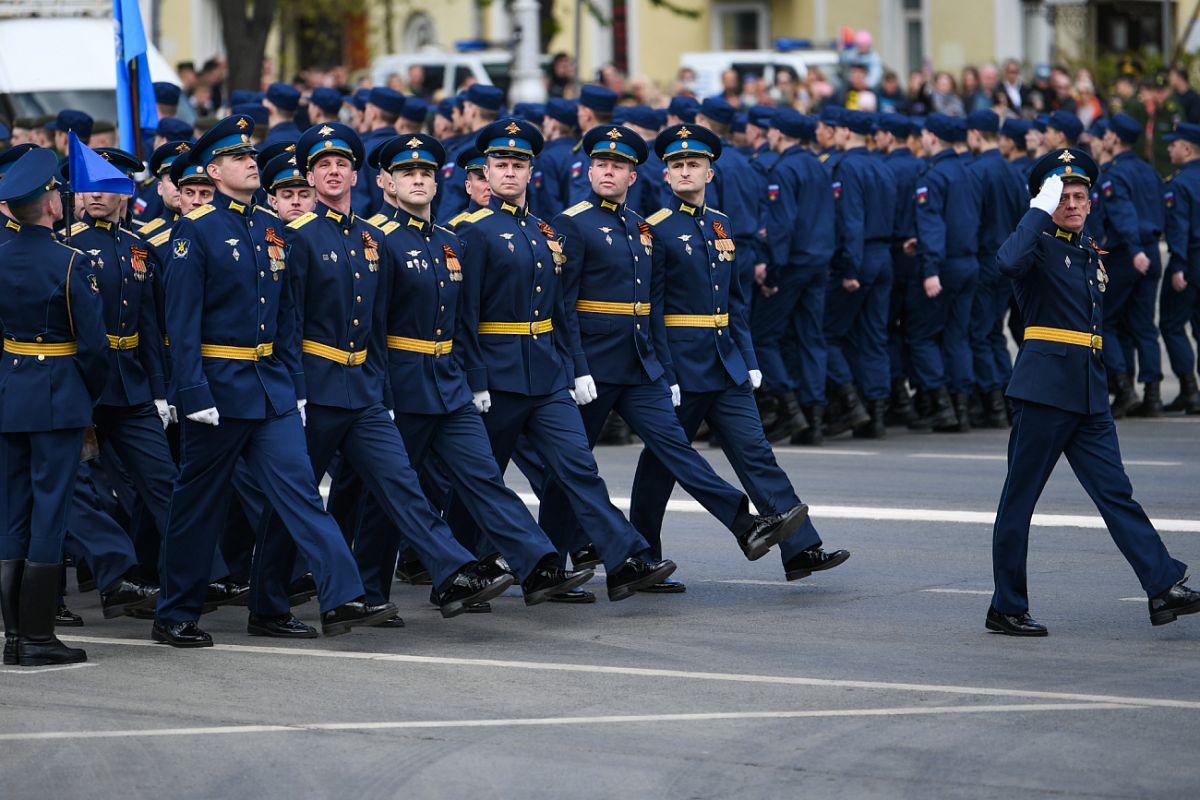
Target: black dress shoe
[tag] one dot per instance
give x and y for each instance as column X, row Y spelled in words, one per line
column 354, row 614
column 548, row 579
column 413, row 572
column 492, row 567
column 224, row 593
column 301, row 590
column 127, row 596
column 814, row 559
column 473, row 608
column 1174, row 602
column 664, row 587
column 66, row 618
column 469, row 587
column 579, row 596
column 181, row 634
column 586, row 557
column 1014, row 624
column 284, row 626
column 394, row 622
column 625, row 580
column 760, row 533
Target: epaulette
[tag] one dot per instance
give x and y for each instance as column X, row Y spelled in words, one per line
column 159, row 239
column 78, row 228
column 302, row 220
column 266, row 210
column 444, row 230
column 151, row 226
column 197, row 213
column 389, row 226
column 461, row 216
column 378, row 220
column 123, row 229
column 147, row 181
column 717, row 211
column 482, row 213
column 658, row 216
column 578, row 208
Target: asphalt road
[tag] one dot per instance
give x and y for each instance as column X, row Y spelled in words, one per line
column 876, row 679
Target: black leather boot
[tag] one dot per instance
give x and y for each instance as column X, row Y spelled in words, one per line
column 1189, row 396
column 10, row 592
column 900, row 407
column 855, row 411
column 995, row 410
column 37, row 646
column 941, row 412
column 975, row 407
column 877, row 427
column 789, row 419
column 1152, row 404
column 1124, row 397
column 962, row 416
column 814, row 436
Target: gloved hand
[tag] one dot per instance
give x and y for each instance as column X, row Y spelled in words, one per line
column 1049, row 195
column 165, row 412
column 482, row 401
column 675, row 398
column 755, row 378
column 300, row 404
column 392, row 414
column 585, row 390
column 571, row 392
column 208, row 416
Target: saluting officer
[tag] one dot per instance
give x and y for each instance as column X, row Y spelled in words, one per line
column 54, row 369
column 1180, row 303
column 235, row 353
column 1061, row 402
column 613, row 296
column 711, row 364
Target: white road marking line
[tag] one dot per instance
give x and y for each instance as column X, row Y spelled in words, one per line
column 646, row 672
column 1133, row 600
column 747, row 582
column 958, row 591
column 813, row 451
column 543, row 721
column 1129, row 462
column 39, row 670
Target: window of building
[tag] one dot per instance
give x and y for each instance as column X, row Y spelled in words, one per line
column 913, row 20
column 741, row 26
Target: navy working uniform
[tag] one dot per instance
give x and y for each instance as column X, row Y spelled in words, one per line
column 1179, row 308
column 1061, row 400
column 366, row 195
column 451, row 198
column 903, row 169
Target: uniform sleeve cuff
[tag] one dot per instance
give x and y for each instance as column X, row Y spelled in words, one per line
column 196, row 398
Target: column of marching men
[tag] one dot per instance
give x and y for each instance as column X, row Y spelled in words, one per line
column 406, row 315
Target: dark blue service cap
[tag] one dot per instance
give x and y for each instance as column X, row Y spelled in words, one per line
column 895, row 124
column 415, row 110
column 566, row 112
column 643, row 117
column 185, row 171
column 10, row 156
column 257, row 112
column 530, row 112
column 1185, row 131
column 269, row 151
column 681, row 141
column 831, row 115
column 598, row 98
column 761, row 114
column 166, row 94
column 174, row 128
column 985, row 121
column 484, row 96
column 33, row 174
column 511, row 138
column 615, row 142
column 327, row 99
column 942, row 126
column 858, row 122
column 739, row 123
column 1127, row 129
column 1099, row 127
column 794, row 125
column 241, row 97
column 387, row 99
column 164, row 155
column 1040, row 122
column 123, row 160
column 684, row 108
column 70, row 119
column 445, row 108
column 1067, row 123
column 328, row 138
column 719, row 111
column 1069, row 163
column 229, row 136
column 1015, row 128
column 471, row 160
column 283, row 96
column 281, row 172
column 410, row 150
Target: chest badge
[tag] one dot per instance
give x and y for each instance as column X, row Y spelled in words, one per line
column 607, row 237
column 415, row 261
column 512, row 248
column 137, row 257
column 275, row 247
column 644, row 235
column 95, row 254
column 1067, row 261
column 686, row 244
column 234, row 243
column 370, row 251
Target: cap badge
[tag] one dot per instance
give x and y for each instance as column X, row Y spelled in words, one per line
column 512, row 129
column 683, row 132
column 1066, row 156
column 613, row 133
column 413, row 142
column 241, row 123
column 325, row 130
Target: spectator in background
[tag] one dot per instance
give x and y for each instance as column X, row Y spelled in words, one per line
column 920, row 99
column 212, row 79
column 395, row 82
column 890, row 96
column 1088, row 106
column 186, row 71
column 731, row 88
column 784, row 92
column 989, row 84
column 972, row 97
column 945, row 97
column 1124, row 98
column 865, row 55
column 857, row 96
column 611, row 78
column 820, row 90
column 562, row 76
column 1014, row 87
column 1063, row 97
column 1042, row 92
column 685, row 83
column 1186, row 97
column 416, row 82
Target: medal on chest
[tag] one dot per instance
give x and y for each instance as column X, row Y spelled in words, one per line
column 644, row 235
column 370, row 251
column 723, row 244
column 234, row 243
column 607, row 237
column 1101, row 272
column 95, row 254
column 137, row 259
column 452, row 264
column 274, row 253
column 512, row 248
column 415, row 261
column 555, row 246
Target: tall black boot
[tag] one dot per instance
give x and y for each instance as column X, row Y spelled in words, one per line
column 941, row 412
column 1124, row 397
column 877, row 427
column 1189, row 396
column 615, row 431
column 1152, row 404
column 962, row 416
column 813, row 435
column 900, row 407
column 975, row 407
column 855, row 411
column 994, row 409
column 790, row 419
column 10, row 592
column 37, row 645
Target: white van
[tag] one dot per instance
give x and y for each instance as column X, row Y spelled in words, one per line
column 709, row 66
column 446, row 72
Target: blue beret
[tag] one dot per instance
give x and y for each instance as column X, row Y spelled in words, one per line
column 10, row 156
column 643, row 117
column 387, row 99
column 717, row 110
column 565, row 111
column 683, row 107
column 986, row 121
column 410, row 150
column 1015, row 129
column 281, row 172
column 615, row 141
column 1066, row 122
column 857, row 121
column 228, row 137
column 33, row 174
column 327, row 99
column 71, row 120
column 597, row 98
column 489, row 97
column 415, row 110
column 794, row 125
column 510, row 138
column 941, row 126
column 1069, row 163
column 166, row 94
column 283, row 96
column 1125, row 127
column 173, row 128
column 1185, row 131
column 895, row 124
column 679, row 141
column 328, row 138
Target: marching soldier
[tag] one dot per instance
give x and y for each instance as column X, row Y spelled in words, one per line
column 1180, row 303
column 381, row 111
column 474, row 164
column 481, row 106
column 560, row 126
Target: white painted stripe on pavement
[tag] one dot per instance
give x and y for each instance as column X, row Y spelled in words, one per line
column 958, row 591
column 1129, row 462
column 822, row 451
column 40, row 670
column 546, row 721
column 748, row 582
column 646, row 672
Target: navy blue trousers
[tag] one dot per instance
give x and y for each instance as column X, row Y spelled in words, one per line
column 39, row 472
column 275, row 454
column 1040, row 434
column 904, row 270
column 990, row 359
column 136, row 435
column 797, row 308
column 939, row 327
column 1129, row 303
column 95, row 537
column 1176, row 310
column 856, row 326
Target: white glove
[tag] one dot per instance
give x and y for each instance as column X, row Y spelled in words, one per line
column 585, row 390
column 675, row 398
column 482, row 401
column 755, row 379
column 392, row 414
column 164, row 412
column 1049, row 195
column 208, row 416
column 300, row 404
column 571, row 391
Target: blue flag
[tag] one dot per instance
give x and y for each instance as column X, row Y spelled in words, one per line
column 89, row 171
column 131, row 49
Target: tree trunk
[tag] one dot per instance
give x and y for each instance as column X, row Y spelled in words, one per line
column 244, row 28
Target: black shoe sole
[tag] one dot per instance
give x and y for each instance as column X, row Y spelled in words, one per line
column 996, row 627
column 162, row 638
column 587, row 563
column 493, row 589
column 127, row 609
column 574, row 598
column 479, row 608
column 300, row 598
column 1167, row 616
column 542, row 595
column 258, row 630
column 47, row 662
column 664, row 588
column 798, row 574
column 783, row 531
column 627, row 590
column 340, row 628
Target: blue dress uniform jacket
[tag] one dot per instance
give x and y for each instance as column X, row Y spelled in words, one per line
column 127, row 274
column 227, row 288
column 1181, row 196
column 798, row 214
column 51, row 295
column 452, row 195
column 578, row 184
column 704, row 311
column 366, row 196
column 948, row 221
column 422, row 285
column 526, row 291
column 615, row 303
column 335, row 264
column 1058, row 280
column 553, row 163
column 904, row 169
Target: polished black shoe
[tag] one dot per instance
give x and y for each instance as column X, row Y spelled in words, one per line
column 586, row 557
column 492, row 567
column 664, row 587
column 625, row 580
column 814, row 559
column 394, row 622
column 44, row 652
column 66, row 618
column 413, row 572
column 127, row 596
column 467, row 588
column 580, row 596
column 757, row 534
column 224, row 593
column 354, row 614
column 473, row 608
column 183, row 634
column 549, row 579
column 1175, row 602
column 1014, row 624
column 301, row 590
column 285, row 626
